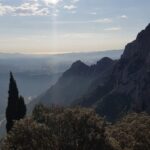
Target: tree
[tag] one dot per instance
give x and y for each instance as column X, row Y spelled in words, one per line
column 26, row 134
column 73, row 128
column 16, row 108
column 21, row 108
column 131, row 133
column 58, row 129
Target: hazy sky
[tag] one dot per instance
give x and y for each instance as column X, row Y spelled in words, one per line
column 56, row 26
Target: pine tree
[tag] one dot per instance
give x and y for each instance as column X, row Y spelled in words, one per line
column 16, row 108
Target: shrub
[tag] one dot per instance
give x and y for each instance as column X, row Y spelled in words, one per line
column 131, row 133
column 28, row 135
column 58, row 128
column 74, row 128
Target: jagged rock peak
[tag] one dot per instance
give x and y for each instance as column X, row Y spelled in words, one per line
column 78, row 64
column 144, row 33
column 105, row 60
column 77, row 68
column 139, row 47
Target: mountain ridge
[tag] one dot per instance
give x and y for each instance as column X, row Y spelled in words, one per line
column 74, row 82
column 112, row 87
column 129, row 82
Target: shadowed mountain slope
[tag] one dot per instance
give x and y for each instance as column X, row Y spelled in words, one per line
column 128, row 88
column 75, row 82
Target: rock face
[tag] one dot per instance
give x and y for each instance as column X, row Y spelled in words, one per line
column 132, row 73
column 128, row 88
column 75, row 82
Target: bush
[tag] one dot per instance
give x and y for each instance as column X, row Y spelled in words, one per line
column 131, row 133
column 57, row 128
column 27, row 135
column 74, row 129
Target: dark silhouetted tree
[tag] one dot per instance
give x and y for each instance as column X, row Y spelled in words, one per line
column 21, row 108
column 16, row 108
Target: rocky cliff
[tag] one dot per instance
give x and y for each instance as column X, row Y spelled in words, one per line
column 128, row 86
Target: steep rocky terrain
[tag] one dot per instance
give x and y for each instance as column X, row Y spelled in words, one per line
column 128, row 88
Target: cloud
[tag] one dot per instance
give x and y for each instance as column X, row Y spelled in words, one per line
column 42, row 12
column 99, row 21
column 27, row 9
column 105, row 20
column 37, row 7
column 51, row 2
column 113, row 29
column 124, row 17
column 70, row 7
column 75, row 1
column 55, row 14
column 93, row 13
column 6, row 9
column 31, row 8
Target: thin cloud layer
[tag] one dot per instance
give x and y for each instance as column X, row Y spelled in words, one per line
column 113, row 29
column 24, row 9
column 69, row 7
column 124, row 17
column 53, row 2
column 105, row 20
column 36, row 7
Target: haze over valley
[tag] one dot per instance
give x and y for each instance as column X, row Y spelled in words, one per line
column 36, row 73
column 74, row 75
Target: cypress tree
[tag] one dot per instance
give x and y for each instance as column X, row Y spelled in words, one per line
column 21, row 108
column 16, row 108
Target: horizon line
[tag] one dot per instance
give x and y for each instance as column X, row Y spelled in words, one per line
column 56, row 53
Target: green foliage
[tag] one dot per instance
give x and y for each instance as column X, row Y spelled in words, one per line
column 58, row 128
column 21, row 108
column 131, row 133
column 28, row 135
column 74, row 129
column 16, row 108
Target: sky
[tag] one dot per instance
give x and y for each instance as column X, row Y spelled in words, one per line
column 64, row 26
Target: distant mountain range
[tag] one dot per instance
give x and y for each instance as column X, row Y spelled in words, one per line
column 36, row 73
column 111, row 87
column 75, row 82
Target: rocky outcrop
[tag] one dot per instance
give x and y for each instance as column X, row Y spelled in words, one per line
column 132, row 73
column 127, row 88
